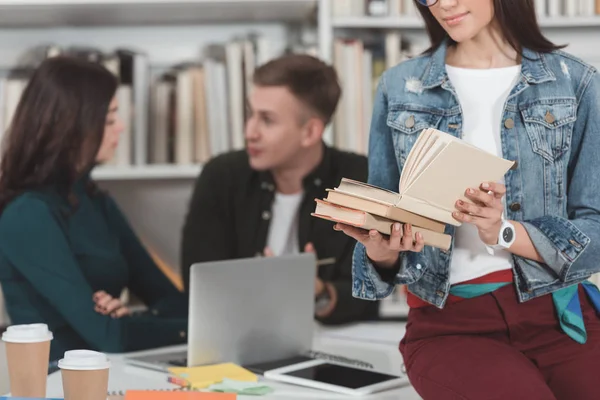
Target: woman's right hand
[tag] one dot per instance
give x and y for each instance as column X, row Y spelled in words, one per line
column 383, row 251
column 108, row 305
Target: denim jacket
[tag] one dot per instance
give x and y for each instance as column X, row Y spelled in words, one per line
column 550, row 127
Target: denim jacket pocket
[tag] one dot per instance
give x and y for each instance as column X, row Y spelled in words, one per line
column 406, row 122
column 549, row 125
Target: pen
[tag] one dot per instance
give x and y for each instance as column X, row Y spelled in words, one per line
column 326, row 261
column 178, row 381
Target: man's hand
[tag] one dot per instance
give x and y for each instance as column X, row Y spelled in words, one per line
column 108, row 305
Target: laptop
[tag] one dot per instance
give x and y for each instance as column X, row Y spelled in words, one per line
column 255, row 312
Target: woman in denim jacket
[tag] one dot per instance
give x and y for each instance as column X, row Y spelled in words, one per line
column 507, row 312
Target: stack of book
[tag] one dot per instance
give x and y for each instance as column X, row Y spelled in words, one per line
column 437, row 172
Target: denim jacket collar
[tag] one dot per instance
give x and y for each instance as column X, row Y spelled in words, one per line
column 533, row 68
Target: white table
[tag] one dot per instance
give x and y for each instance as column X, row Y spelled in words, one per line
column 381, row 351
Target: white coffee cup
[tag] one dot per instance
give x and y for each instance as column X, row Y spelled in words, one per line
column 27, row 355
column 31, row 333
column 84, row 375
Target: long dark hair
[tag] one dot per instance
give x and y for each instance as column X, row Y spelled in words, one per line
column 57, row 127
column 517, row 20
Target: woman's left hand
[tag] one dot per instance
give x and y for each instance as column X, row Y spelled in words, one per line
column 485, row 213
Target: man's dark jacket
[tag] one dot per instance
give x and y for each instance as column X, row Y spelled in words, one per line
column 230, row 211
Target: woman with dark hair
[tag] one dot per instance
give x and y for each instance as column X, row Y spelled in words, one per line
column 66, row 251
column 507, row 313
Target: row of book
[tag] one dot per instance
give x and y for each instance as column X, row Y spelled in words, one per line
column 179, row 114
column 359, row 64
column 567, row 8
column 380, row 8
column 187, row 113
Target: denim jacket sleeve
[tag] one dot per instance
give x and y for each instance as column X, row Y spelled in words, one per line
column 571, row 246
column 384, row 171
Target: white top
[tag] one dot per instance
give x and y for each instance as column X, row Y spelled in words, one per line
column 283, row 231
column 482, row 94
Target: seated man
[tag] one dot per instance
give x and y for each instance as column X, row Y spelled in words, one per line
column 259, row 201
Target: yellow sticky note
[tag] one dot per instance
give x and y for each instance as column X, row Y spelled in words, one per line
column 204, row 376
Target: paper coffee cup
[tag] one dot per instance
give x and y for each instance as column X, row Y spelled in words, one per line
column 27, row 355
column 84, row 375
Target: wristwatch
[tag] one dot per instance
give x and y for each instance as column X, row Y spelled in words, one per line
column 506, row 237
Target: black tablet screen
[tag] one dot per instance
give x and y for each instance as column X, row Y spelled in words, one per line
column 339, row 375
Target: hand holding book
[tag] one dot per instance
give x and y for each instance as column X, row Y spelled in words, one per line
column 437, row 172
column 385, row 250
column 485, row 211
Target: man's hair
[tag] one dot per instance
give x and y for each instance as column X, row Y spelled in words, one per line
column 309, row 79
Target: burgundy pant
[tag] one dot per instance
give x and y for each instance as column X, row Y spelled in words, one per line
column 493, row 347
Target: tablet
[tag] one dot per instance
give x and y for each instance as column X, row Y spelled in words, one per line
column 321, row 374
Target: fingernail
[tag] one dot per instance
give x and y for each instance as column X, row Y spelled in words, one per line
column 408, row 227
column 456, row 214
column 460, row 203
column 485, row 185
column 397, row 227
column 372, row 233
column 471, row 191
column 418, row 235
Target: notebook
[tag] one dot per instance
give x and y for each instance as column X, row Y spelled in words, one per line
column 437, row 172
column 204, row 376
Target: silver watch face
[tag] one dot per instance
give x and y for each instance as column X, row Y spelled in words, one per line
column 508, row 234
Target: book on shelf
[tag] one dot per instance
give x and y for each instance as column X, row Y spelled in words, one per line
column 178, row 114
column 437, row 172
column 407, row 8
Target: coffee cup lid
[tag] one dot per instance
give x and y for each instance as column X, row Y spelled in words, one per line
column 31, row 333
column 84, row 360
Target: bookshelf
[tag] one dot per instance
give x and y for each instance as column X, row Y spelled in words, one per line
column 416, row 23
column 146, row 172
column 86, row 13
column 167, row 32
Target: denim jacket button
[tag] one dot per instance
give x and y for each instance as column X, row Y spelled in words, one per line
column 419, row 266
column 440, row 293
column 410, row 122
column 509, row 123
column 549, row 117
column 266, row 215
column 515, row 207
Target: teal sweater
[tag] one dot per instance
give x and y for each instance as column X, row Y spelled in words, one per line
column 54, row 257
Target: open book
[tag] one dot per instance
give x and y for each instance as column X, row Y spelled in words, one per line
column 437, row 172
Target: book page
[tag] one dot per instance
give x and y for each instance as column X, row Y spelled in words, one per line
column 431, row 149
column 364, row 190
column 455, row 169
column 339, row 213
column 412, row 157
